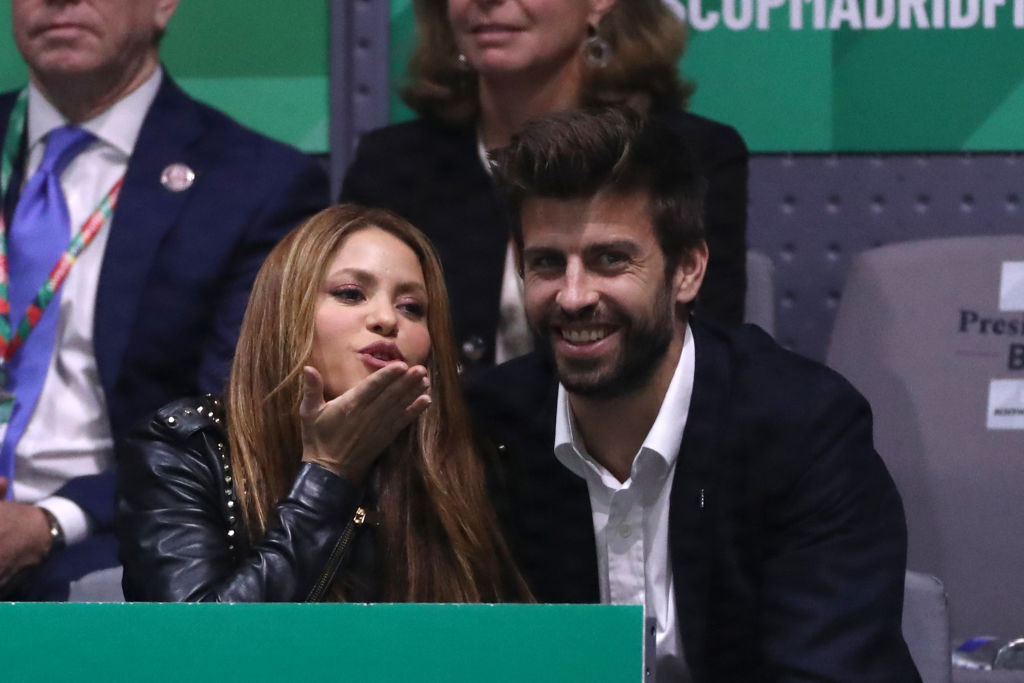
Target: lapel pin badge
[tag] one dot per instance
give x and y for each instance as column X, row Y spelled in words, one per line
column 177, row 177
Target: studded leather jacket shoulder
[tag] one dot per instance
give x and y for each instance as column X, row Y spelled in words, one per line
column 181, row 533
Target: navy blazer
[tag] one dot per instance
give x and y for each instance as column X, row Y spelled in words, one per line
column 787, row 536
column 431, row 174
column 178, row 266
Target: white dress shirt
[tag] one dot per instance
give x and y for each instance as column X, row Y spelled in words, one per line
column 631, row 517
column 69, row 434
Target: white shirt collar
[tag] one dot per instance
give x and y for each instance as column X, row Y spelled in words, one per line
column 117, row 126
column 665, row 435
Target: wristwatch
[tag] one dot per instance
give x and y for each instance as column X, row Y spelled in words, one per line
column 57, row 540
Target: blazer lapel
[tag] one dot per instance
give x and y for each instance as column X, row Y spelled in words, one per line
column 145, row 212
column 10, row 199
column 566, row 511
column 691, row 517
column 547, row 514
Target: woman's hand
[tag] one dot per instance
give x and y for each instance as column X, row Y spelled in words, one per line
column 347, row 433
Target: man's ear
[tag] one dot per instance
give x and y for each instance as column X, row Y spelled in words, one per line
column 165, row 9
column 599, row 8
column 689, row 274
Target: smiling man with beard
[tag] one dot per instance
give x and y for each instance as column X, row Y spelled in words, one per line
column 727, row 485
column 611, row 335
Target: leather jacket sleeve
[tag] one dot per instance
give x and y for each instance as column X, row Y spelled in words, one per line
column 180, row 528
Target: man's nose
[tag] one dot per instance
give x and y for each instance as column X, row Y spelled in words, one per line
column 577, row 292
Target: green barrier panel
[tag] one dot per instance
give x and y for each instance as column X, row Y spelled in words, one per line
column 320, row 642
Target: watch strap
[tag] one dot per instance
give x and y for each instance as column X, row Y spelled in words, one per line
column 57, row 540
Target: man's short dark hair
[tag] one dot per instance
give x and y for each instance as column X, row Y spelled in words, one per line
column 615, row 150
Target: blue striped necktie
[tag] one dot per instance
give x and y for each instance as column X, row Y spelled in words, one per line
column 39, row 233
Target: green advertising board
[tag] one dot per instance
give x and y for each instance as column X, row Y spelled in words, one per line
column 845, row 75
column 791, row 75
column 266, row 67
column 321, row 642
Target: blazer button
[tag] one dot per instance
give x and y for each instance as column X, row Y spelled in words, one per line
column 474, row 348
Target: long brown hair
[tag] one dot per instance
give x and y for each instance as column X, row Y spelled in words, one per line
column 646, row 38
column 438, row 532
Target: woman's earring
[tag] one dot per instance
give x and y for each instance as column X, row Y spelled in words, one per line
column 596, row 49
column 462, row 63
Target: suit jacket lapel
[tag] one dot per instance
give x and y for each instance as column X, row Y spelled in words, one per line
column 545, row 507
column 575, row 576
column 144, row 214
column 6, row 104
column 691, row 513
column 8, row 201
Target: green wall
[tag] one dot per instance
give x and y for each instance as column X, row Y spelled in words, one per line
column 266, row 68
column 911, row 84
column 918, row 87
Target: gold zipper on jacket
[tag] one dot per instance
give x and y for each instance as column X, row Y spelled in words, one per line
column 317, row 593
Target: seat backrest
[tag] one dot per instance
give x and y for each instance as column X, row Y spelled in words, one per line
column 932, row 333
column 102, row 585
column 926, row 627
column 759, row 302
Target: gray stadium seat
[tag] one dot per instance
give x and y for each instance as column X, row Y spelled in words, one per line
column 932, row 332
column 103, row 585
column 759, row 303
column 926, row 626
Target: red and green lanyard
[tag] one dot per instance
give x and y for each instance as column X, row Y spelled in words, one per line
column 11, row 340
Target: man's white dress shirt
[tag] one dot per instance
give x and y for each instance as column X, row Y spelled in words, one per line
column 69, row 434
column 631, row 517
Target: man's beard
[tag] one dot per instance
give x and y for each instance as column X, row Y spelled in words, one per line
column 643, row 345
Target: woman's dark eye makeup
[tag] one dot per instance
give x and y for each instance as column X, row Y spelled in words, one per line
column 415, row 309
column 347, row 293
column 352, row 294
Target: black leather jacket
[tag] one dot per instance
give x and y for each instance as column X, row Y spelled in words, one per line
column 181, row 533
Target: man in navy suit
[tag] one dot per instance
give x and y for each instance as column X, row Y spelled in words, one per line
column 150, row 309
column 727, row 485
